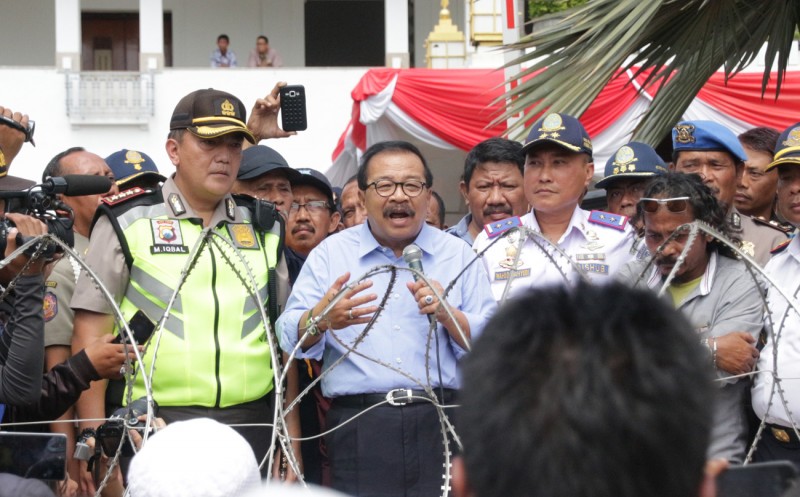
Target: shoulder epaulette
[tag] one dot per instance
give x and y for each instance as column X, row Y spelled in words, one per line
column 497, row 228
column 777, row 249
column 783, row 228
column 609, row 220
column 124, row 195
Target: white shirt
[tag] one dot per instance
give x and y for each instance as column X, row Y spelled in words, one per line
column 784, row 269
column 598, row 250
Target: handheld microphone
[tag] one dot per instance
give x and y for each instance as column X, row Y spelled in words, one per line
column 413, row 257
column 76, row 185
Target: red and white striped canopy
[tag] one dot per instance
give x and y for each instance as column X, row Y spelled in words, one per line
column 452, row 109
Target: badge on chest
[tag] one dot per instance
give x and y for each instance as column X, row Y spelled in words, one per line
column 167, row 237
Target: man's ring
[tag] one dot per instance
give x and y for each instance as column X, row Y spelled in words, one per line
column 350, row 315
column 122, row 370
column 429, row 299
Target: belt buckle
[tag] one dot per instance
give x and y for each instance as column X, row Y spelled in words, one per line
column 392, row 400
column 780, row 435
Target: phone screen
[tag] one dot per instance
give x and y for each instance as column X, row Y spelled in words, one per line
column 768, row 479
column 34, row 455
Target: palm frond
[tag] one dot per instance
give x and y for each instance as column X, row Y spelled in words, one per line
column 677, row 44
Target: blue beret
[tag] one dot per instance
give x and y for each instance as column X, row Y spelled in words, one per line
column 787, row 151
column 561, row 129
column 705, row 135
column 129, row 164
column 633, row 160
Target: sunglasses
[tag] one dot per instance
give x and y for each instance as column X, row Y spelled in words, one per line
column 677, row 204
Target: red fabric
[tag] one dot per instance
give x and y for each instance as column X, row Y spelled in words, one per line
column 457, row 106
column 618, row 95
column 741, row 98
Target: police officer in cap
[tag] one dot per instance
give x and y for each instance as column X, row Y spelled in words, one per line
column 213, row 356
column 779, row 441
column 713, row 152
column 558, row 169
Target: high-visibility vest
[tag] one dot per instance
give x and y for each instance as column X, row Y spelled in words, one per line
column 213, row 350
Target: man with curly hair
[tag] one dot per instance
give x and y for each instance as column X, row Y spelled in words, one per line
column 714, row 290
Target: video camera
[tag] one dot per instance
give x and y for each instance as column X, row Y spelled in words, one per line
column 41, row 202
column 110, row 433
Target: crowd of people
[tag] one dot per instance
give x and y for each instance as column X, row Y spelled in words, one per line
column 640, row 349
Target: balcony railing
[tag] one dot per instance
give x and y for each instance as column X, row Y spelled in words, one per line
column 109, row 98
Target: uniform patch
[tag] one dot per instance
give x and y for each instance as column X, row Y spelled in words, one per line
column 518, row 273
column 50, row 284
column 593, row 267
column 243, row 236
column 616, row 221
column 167, row 238
column 748, row 248
column 497, row 228
column 50, row 306
column 124, row 195
column 230, row 208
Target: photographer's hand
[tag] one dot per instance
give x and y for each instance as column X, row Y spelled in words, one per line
column 263, row 122
column 107, row 358
column 11, row 139
column 25, row 226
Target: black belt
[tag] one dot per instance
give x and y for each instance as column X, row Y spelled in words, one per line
column 397, row 397
column 782, row 434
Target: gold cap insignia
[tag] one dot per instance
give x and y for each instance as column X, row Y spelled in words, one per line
column 793, row 140
column 227, row 108
column 623, row 160
column 684, row 133
column 552, row 123
column 135, row 158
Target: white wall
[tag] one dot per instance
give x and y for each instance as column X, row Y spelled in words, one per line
column 27, row 33
column 41, row 93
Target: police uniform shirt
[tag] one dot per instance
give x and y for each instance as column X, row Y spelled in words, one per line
column 106, row 258
column 784, row 270
column 59, row 287
column 757, row 239
column 598, row 250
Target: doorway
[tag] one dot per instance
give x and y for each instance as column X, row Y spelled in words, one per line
column 110, row 41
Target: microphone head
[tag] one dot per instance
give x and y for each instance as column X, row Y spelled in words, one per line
column 86, row 184
column 412, row 253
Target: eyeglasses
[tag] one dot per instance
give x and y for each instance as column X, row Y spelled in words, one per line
column 386, row 188
column 677, row 204
column 313, row 207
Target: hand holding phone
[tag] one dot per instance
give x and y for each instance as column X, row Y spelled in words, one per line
column 141, row 326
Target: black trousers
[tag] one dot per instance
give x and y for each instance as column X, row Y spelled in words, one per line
column 771, row 449
column 259, row 411
column 388, row 451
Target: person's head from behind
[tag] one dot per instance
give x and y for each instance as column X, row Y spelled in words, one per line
column 198, row 458
column 585, row 391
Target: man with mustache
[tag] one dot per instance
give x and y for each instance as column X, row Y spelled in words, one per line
column 312, row 215
column 558, row 169
column 779, row 441
column 385, row 433
column 714, row 153
column 711, row 287
column 491, row 186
